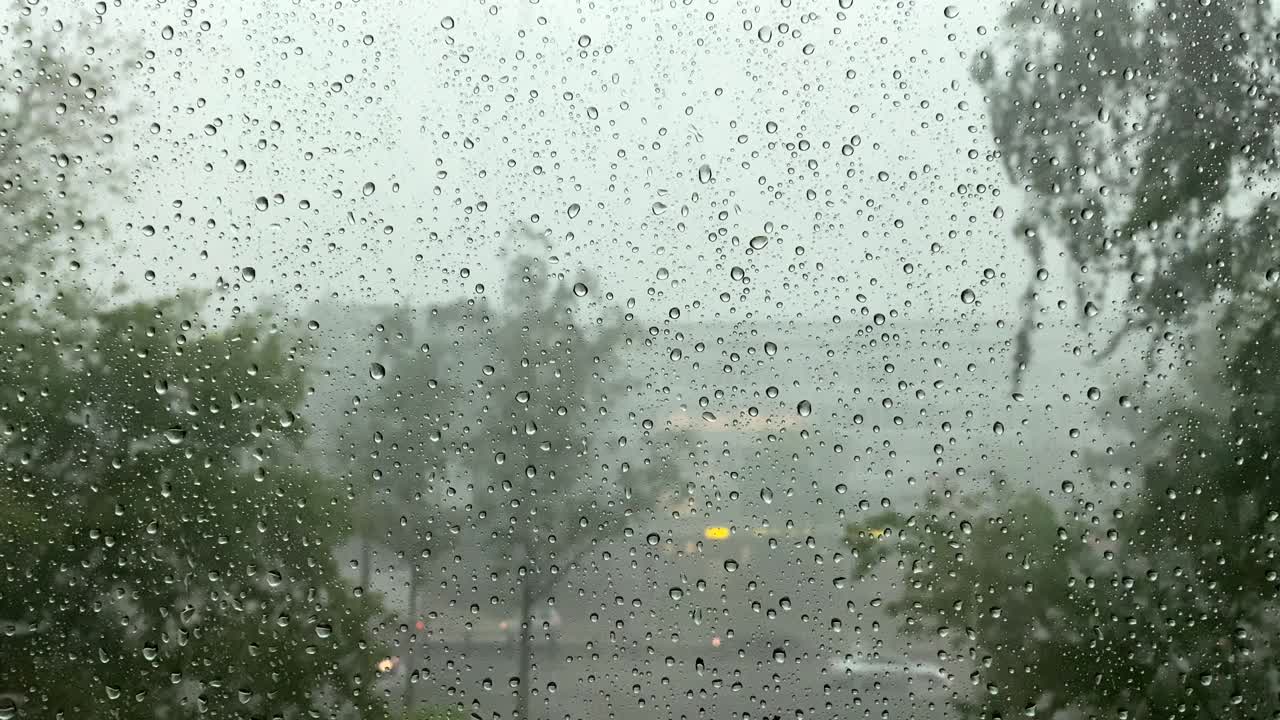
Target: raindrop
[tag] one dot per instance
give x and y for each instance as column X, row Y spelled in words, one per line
column 175, row 435
column 261, row 203
column 676, row 593
column 1094, row 394
column 967, row 297
column 652, row 538
column 998, row 428
column 731, row 565
column 1090, row 309
column 704, row 174
column 659, row 207
column 248, row 273
column 770, row 349
column 368, row 189
column 950, row 11
column 574, row 209
column 584, row 41
column 758, row 242
column 580, row 289
column 324, row 631
column 804, row 408
column 766, row 495
column 377, row 371
column 447, row 22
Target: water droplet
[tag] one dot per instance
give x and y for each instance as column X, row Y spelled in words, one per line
column 967, row 297
column 652, row 538
column 804, row 408
column 1068, row 487
column 704, row 174
column 659, row 207
column 261, row 203
column 950, row 11
column 584, row 41
column 446, row 22
column 175, row 435
column 324, row 631
column 248, row 273
column 1094, row 394
column 574, row 209
column 766, row 495
column 1273, row 275
column 676, row 593
column 758, row 242
column 998, row 428
column 779, row 655
column 1090, row 309
column 580, row 289
column 770, row 349
column 731, row 565
column 377, row 371
column 368, row 189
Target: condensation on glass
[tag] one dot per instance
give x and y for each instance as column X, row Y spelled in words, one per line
column 689, row 360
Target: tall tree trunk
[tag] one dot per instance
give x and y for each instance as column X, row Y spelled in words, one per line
column 414, row 659
column 366, row 563
column 525, row 628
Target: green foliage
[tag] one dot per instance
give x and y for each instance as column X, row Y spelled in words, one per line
column 165, row 547
column 1144, row 135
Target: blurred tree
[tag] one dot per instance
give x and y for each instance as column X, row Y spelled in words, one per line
column 1144, row 135
column 167, row 551
column 552, row 479
column 408, row 490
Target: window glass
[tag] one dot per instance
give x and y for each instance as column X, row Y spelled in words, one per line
column 613, row 361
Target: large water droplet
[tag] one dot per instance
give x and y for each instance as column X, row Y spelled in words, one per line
column 377, row 371
column 967, row 297
column 804, row 408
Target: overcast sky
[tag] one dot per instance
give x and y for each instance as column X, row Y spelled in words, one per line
column 378, row 152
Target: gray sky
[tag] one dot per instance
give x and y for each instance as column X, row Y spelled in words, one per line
column 406, row 141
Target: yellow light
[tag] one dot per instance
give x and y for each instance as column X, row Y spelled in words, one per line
column 717, row 533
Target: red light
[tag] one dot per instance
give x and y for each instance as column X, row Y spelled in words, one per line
column 422, row 625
